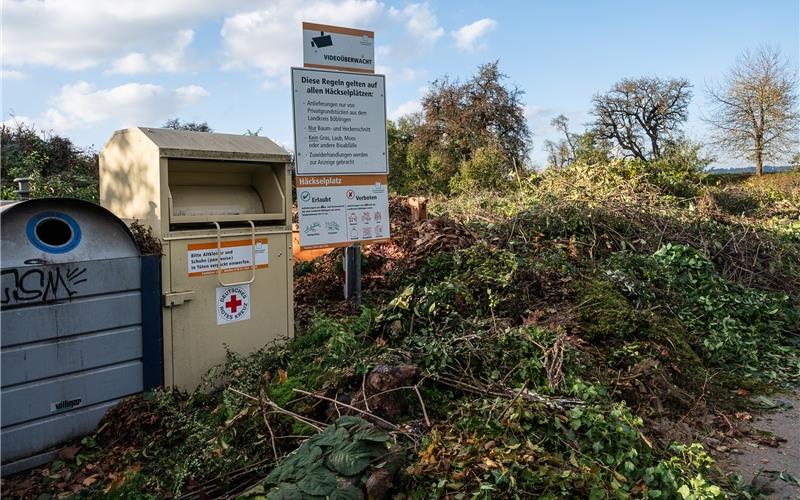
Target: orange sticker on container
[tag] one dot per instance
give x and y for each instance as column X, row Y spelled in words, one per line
column 202, row 258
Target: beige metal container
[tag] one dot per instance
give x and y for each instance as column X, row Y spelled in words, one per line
column 221, row 205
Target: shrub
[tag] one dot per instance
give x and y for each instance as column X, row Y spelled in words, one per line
column 56, row 167
column 486, row 170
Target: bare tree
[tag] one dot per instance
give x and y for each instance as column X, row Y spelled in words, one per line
column 561, row 123
column 642, row 114
column 561, row 153
column 558, row 154
column 576, row 147
column 755, row 110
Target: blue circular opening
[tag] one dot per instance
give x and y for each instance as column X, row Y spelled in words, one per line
column 53, row 232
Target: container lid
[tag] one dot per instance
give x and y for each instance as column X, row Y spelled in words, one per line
column 188, row 144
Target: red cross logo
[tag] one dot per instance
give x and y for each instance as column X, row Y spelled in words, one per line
column 233, row 304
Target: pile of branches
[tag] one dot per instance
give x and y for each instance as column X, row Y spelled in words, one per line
column 384, row 264
column 477, row 359
column 417, row 241
column 740, row 251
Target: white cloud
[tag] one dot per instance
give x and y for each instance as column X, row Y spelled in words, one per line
column 81, row 105
column 539, row 118
column 405, row 108
column 190, row 94
column 408, row 74
column 80, row 35
column 133, row 64
column 420, row 22
column 534, row 112
column 135, row 37
column 170, row 59
column 10, row 74
column 270, row 39
column 405, row 74
column 467, row 38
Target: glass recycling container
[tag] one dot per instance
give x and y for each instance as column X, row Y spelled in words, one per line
column 221, row 206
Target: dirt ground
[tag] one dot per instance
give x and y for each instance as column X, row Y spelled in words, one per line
column 776, row 469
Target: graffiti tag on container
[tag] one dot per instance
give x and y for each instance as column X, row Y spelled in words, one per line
column 40, row 284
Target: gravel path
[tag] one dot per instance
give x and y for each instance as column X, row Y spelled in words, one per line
column 757, row 459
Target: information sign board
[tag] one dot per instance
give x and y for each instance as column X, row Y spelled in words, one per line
column 339, row 123
column 341, row 154
column 342, row 210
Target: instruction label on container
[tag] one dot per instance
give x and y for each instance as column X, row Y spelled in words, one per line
column 342, row 210
column 233, row 304
column 339, row 122
column 235, row 256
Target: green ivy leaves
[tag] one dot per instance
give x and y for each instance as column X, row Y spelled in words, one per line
column 335, row 463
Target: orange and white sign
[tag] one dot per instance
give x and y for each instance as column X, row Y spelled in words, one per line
column 234, row 256
column 342, row 210
column 338, row 48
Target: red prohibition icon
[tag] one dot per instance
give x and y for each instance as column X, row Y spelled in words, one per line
column 350, row 194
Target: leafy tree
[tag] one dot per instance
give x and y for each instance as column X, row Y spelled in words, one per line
column 591, row 149
column 56, row 166
column 755, row 111
column 485, row 170
column 642, row 114
column 400, row 137
column 177, row 124
column 458, row 119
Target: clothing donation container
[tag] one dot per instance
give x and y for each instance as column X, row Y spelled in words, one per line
column 221, row 206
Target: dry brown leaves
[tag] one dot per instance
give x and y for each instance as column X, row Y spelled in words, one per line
column 106, row 464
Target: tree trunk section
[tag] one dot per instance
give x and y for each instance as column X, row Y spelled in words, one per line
column 654, row 145
column 759, row 163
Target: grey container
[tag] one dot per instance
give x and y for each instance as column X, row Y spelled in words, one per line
column 71, row 317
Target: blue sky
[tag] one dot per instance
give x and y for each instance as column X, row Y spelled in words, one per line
column 84, row 68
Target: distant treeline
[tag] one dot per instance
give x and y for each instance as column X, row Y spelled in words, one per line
column 768, row 169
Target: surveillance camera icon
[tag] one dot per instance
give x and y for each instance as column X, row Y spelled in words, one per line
column 322, row 40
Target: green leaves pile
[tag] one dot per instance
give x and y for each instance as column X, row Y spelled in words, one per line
column 748, row 332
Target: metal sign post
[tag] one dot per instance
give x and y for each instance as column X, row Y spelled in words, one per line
column 352, row 273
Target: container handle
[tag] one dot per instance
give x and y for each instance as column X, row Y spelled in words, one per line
column 252, row 262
